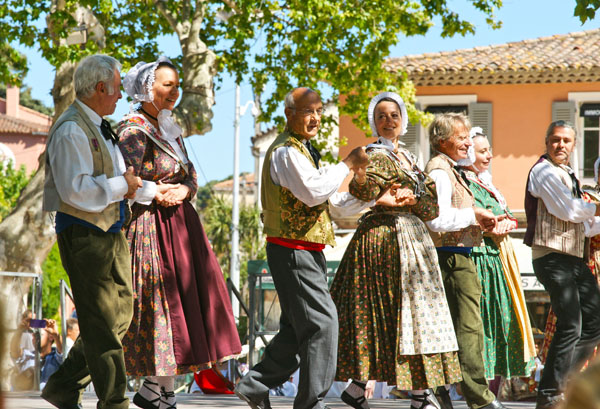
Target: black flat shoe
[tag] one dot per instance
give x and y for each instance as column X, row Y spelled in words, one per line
column 356, row 403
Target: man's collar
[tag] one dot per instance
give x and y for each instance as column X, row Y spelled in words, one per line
column 299, row 137
column 448, row 158
column 566, row 167
column 94, row 117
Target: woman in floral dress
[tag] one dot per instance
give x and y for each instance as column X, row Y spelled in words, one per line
column 509, row 349
column 182, row 319
column 395, row 325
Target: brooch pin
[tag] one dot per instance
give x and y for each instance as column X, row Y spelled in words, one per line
column 95, row 143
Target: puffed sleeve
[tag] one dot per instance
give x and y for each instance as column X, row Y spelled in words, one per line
column 427, row 207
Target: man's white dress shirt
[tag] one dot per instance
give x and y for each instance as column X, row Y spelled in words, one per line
column 72, row 168
column 450, row 218
column 545, row 183
column 294, row 171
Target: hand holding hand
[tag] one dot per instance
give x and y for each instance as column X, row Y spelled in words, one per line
column 503, row 226
column 405, row 197
column 357, row 158
column 133, row 183
column 360, row 175
column 174, row 196
column 396, row 196
column 161, row 190
column 486, row 219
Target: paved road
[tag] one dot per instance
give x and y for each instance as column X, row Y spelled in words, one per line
column 193, row 401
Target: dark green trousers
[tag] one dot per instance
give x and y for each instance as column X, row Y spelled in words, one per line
column 99, row 268
column 463, row 292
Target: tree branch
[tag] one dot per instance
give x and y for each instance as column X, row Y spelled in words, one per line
column 231, row 4
column 171, row 18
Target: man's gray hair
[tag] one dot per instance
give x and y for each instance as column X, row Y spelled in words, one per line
column 289, row 100
column 289, row 97
column 560, row 124
column 92, row 70
column 443, row 126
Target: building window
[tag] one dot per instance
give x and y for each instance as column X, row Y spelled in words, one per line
column 591, row 136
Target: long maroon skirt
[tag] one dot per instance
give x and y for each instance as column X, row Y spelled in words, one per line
column 182, row 318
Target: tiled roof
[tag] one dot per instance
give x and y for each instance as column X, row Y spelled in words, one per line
column 11, row 125
column 227, row 185
column 573, row 57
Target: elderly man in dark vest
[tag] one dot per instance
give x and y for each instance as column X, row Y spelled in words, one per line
column 87, row 186
column 558, row 220
column 456, row 230
column 296, row 194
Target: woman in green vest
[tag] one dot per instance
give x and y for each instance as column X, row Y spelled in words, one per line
column 509, row 349
column 395, row 325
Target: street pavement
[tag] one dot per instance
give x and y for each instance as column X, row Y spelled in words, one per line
column 31, row 400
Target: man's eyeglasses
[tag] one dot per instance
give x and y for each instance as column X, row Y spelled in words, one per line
column 311, row 112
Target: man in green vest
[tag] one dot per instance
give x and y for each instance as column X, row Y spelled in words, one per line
column 455, row 232
column 296, row 194
column 87, row 186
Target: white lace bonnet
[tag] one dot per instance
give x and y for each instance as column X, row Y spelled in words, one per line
column 139, row 80
column 398, row 100
column 471, row 151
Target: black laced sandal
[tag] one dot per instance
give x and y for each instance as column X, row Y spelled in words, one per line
column 427, row 398
column 144, row 403
column 356, row 403
column 166, row 395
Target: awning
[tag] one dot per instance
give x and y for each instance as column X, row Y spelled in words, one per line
column 589, row 110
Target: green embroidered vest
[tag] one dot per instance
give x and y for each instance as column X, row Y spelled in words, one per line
column 462, row 198
column 283, row 214
column 103, row 165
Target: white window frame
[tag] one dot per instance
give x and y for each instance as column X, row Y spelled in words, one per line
column 428, row 100
column 580, row 98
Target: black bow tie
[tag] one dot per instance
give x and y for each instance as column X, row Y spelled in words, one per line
column 463, row 174
column 108, row 133
column 315, row 154
column 576, row 188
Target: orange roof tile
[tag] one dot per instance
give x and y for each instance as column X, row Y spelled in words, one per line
column 572, row 57
column 11, row 125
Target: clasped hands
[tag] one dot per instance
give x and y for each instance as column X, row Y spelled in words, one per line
column 170, row 194
column 497, row 225
column 167, row 194
column 397, row 196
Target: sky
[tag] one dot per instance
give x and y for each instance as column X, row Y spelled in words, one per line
column 212, row 153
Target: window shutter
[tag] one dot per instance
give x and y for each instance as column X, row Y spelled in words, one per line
column 412, row 136
column 564, row 111
column 480, row 114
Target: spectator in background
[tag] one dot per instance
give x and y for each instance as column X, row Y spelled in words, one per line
column 72, row 333
column 51, row 351
column 22, row 351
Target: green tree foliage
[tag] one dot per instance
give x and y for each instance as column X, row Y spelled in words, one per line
column 12, row 181
column 216, row 218
column 276, row 44
column 586, row 9
column 27, row 100
column 53, row 273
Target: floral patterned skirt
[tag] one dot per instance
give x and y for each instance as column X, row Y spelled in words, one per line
column 182, row 319
column 375, row 278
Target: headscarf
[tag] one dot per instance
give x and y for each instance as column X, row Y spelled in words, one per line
column 139, row 80
column 138, row 84
column 398, row 100
column 484, row 177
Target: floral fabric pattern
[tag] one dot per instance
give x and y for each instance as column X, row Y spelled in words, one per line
column 395, row 325
column 148, row 344
column 503, row 352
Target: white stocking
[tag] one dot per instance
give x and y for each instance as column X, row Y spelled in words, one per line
column 167, row 385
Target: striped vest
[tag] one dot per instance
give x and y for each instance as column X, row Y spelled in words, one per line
column 461, row 198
